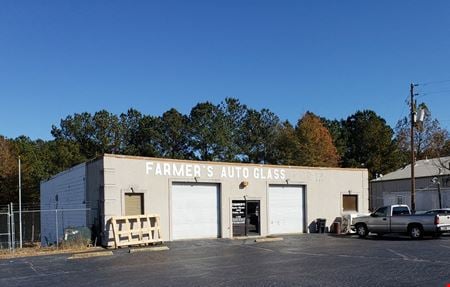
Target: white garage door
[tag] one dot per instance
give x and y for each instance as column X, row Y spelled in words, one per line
column 285, row 209
column 195, row 211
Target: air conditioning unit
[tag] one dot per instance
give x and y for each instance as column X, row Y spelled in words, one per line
column 347, row 220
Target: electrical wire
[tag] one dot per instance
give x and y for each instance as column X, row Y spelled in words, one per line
column 436, row 92
column 403, row 110
column 433, row 82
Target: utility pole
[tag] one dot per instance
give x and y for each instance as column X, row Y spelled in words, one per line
column 413, row 158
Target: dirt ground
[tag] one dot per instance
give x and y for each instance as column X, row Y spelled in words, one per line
column 39, row 251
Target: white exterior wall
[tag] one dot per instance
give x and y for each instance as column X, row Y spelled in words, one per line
column 60, row 195
column 324, row 188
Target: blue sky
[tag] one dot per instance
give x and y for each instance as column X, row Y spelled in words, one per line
column 329, row 57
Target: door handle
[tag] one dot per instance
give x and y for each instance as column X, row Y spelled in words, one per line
column 384, row 219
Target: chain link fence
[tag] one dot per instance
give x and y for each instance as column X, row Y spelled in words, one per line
column 44, row 227
column 5, row 229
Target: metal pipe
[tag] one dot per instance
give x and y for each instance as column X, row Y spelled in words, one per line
column 439, row 193
column 56, row 223
column 13, row 232
column 20, row 205
column 9, row 228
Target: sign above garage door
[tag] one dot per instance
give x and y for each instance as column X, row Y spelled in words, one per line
column 210, row 171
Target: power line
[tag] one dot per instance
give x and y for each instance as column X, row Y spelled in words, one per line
column 436, row 92
column 404, row 108
column 434, row 82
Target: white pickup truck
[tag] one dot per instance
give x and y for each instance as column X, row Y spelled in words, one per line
column 398, row 219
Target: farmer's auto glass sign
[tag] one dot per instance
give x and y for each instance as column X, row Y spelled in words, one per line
column 210, row 171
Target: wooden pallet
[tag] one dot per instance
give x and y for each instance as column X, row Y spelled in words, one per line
column 136, row 230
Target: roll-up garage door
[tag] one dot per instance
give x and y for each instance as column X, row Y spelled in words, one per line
column 285, row 209
column 195, row 211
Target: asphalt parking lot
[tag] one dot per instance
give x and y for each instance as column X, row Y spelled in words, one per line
column 298, row 260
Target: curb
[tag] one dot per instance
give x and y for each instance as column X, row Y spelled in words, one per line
column 269, row 239
column 149, row 249
column 91, row 254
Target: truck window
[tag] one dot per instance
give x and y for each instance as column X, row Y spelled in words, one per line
column 381, row 212
column 400, row 210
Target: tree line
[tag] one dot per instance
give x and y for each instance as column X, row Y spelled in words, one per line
column 230, row 131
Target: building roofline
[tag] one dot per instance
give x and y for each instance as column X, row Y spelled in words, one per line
column 406, row 178
column 65, row 171
column 227, row 163
column 439, row 163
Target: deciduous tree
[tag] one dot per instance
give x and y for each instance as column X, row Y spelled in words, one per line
column 429, row 138
column 315, row 145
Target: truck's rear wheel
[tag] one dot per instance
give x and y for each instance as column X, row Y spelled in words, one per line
column 362, row 230
column 415, row 231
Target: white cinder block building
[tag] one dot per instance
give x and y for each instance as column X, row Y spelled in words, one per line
column 209, row 199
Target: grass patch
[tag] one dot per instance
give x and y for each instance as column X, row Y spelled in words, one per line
column 38, row 250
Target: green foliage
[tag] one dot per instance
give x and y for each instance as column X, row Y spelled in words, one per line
column 148, row 137
column 370, row 143
column 230, row 131
column 130, row 124
column 234, row 115
column 8, row 171
column 446, row 148
column 336, row 129
column 287, row 145
column 208, row 133
column 78, row 128
column 173, row 135
column 429, row 138
column 61, row 155
column 260, row 130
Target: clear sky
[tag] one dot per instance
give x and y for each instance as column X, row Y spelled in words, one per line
column 329, row 57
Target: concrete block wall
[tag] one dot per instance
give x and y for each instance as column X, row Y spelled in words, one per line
column 59, row 196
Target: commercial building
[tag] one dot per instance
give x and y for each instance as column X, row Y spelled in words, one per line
column 206, row 199
column 432, row 178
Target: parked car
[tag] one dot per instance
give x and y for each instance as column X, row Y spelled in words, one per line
column 398, row 219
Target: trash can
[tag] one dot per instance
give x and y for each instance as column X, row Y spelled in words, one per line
column 320, row 223
column 337, row 227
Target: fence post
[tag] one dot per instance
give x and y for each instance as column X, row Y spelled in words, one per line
column 13, row 231
column 9, row 228
column 56, row 223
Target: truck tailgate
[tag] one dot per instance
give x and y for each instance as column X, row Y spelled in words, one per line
column 444, row 222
